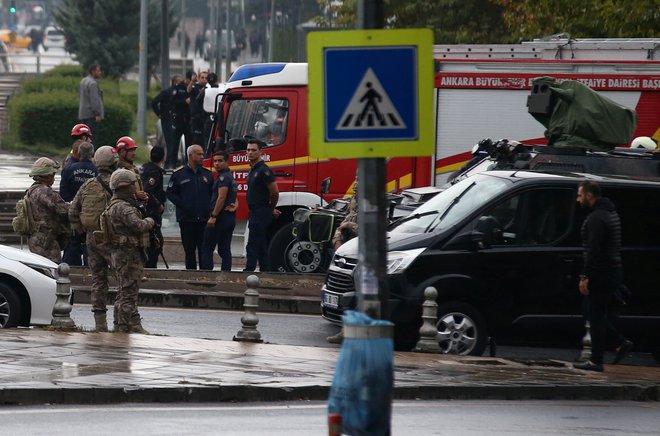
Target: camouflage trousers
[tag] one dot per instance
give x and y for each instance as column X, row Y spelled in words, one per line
column 129, row 264
column 46, row 246
column 99, row 261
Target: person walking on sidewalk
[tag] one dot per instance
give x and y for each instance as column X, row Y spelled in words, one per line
column 220, row 225
column 262, row 198
column 602, row 275
column 190, row 191
column 128, row 234
column 90, row 108
column 84, row 213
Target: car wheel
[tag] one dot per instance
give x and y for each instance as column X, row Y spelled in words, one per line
column 461, row 329
column 10, row 307
column 287, row 254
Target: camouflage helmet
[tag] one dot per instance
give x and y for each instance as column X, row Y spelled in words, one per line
column 105, row 156
column 121, row 178
column 44, row 167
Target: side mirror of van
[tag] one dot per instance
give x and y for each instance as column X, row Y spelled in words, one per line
column 487, row 232
column 325, row 185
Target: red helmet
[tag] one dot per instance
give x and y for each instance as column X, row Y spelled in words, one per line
column 125, row 142
column 80, row 130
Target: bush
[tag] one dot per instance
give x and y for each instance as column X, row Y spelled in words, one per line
column 65, row 71
column 47, row 118
column 51, row 84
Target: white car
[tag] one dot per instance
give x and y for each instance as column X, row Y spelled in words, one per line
column 27, row 288
column 54, row 37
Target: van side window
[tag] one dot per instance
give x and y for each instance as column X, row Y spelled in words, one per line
column 264, row 119
column 536, row 217
column 638, row 209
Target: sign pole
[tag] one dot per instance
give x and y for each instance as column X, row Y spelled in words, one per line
column 373, row 292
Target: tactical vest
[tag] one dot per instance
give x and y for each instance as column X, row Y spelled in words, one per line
column 108, row 234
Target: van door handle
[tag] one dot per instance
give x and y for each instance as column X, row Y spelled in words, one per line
column 283, row 174
column 571, row 258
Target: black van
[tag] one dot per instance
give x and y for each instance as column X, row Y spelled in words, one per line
column 503, row 249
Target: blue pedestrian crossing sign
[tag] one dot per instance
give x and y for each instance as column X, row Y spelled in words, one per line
column 371, row 93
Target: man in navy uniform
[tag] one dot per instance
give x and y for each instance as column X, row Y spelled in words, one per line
column 262, row 197
column 190, row 191
column 221, row 223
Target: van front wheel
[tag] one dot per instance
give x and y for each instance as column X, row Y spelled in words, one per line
column 461, row 329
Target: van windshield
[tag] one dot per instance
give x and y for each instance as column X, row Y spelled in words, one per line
column 452, row 205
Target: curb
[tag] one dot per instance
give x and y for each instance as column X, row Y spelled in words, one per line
column 241, row 393
column 210, row 300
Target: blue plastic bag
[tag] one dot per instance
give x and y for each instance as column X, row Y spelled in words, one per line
column 362, row 387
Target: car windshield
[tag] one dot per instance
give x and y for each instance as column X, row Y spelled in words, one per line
column 452, row 205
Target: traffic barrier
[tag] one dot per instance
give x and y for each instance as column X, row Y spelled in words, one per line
column 62, row 308
column 585, row 353
column 250, row 319
column 427, row 333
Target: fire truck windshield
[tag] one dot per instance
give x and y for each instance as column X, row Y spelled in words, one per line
column 264, row 119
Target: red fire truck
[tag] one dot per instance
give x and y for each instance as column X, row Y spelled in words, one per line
column 480, row 92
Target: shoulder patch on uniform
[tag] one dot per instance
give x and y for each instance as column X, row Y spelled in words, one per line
column 152, row 181
column 267, row 173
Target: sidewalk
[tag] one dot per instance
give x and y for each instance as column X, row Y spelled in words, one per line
column 40, row 366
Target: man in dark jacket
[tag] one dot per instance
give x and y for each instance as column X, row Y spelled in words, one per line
column 152, row 180
column 190, row 191
column 602, row 276
column 172, row 108
column 73, row 177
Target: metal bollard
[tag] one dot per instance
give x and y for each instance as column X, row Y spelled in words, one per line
column 427, row 333
column 62, row 308
column 585, row 354
column 250, row 319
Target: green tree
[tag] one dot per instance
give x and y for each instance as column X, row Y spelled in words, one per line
column 107, row 32
column 529, row 19
column 103, row 32
column 453, row 21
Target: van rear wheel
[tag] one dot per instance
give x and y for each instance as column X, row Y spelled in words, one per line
column 461, row 329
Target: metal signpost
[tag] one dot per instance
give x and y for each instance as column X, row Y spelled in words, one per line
column 371, row 97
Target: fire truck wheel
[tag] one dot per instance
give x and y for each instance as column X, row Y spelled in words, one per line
column 287, row 254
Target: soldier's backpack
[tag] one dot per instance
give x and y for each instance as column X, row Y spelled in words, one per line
column 105, row 234
column 96, row 198
column 23, row 223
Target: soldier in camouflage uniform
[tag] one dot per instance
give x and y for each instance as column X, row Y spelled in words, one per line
column 84, row 212
column 49, row 212
column 128, row 234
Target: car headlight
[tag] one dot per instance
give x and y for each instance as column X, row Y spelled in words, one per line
column 48, row 271
column 398, row 261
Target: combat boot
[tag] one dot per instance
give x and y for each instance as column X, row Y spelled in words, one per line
column 136, row 325
column 101, row 320
column 121, row 328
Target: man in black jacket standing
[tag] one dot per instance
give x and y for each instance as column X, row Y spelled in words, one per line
column 172, row 109
column 602, row 275
column 152, row 180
